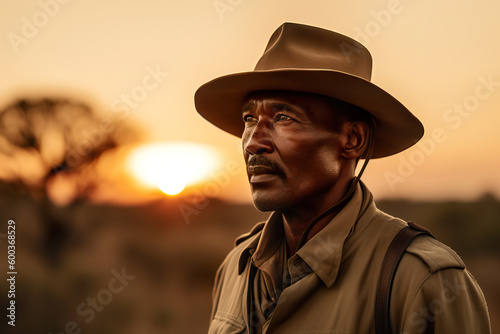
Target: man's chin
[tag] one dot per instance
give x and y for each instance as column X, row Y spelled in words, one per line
column 264, row 207
column 266, row 202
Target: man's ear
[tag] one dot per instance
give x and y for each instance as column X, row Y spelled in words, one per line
column 356, row 139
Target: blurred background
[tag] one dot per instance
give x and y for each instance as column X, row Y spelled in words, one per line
column 126, row 201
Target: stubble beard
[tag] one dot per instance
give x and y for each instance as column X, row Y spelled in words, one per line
column 267, row 202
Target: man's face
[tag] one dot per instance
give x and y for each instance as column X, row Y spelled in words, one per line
column 291, row 145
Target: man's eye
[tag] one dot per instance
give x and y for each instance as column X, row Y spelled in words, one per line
column 249, row 118
column 281, row 117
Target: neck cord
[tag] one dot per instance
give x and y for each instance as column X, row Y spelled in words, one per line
column 349, row 193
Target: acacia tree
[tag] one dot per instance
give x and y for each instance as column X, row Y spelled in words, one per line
column 44, row 139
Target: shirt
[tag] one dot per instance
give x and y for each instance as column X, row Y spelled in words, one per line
column 334, row 278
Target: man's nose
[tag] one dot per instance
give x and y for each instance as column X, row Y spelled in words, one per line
column 257, row 139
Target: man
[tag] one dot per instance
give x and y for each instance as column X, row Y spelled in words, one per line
column 306, row 115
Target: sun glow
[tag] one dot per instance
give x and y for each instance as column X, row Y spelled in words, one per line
column 172, row 166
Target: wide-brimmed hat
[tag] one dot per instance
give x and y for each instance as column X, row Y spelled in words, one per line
column 313, row 60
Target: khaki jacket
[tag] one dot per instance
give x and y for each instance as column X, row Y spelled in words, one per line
column 432, row 289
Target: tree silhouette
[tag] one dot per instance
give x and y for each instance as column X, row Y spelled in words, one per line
column 45, row 139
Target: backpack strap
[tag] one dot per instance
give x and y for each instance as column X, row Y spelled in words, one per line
column 391, row 261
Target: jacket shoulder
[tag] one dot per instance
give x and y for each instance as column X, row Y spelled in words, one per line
column 256, row 229
column 435, row 255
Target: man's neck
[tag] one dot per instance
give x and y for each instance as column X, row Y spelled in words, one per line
column 295, row 227
column 297, row 219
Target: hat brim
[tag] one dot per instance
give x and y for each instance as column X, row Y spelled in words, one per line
column 220, row 101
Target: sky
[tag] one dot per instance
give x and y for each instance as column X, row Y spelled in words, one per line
column 147, row 58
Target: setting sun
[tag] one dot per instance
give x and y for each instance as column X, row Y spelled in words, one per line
column 171, row 166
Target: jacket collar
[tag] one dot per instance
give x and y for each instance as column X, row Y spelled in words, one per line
column 323, row 252
column 271, row 237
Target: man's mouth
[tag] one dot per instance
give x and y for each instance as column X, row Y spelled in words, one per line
column 260, row 173
column 260, row 169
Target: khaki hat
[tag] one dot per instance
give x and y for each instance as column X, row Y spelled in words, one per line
column 313, row 60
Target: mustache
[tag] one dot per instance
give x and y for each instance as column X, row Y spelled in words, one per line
column 260, row 160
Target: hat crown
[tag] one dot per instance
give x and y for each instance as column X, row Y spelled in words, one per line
column 294, row 46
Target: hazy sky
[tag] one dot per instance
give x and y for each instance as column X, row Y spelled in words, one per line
column 439, row 58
